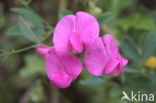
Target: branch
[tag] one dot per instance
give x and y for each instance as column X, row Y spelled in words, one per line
column 17, row 51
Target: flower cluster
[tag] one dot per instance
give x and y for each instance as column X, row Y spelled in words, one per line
column 80, row 34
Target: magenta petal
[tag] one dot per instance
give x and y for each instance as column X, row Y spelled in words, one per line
column 118, row 71
column 95, row 58
column 123, row 61
column 56, row 71
column 76, row 43
column 61, row 79
column 62, row 63
column 111, row 45
column 42, row 50
column 62, row 31
column 87, row 27
column 53, row 63
column 72, row 65
column 111, row 65
column 120, row 68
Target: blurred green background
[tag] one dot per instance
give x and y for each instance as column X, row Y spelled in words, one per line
column 25, row 23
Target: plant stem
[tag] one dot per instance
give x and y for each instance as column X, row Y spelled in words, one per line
column 17, row 51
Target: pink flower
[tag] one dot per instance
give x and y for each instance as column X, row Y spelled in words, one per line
column 61, row 67
column 103, row 57
column 75, row 32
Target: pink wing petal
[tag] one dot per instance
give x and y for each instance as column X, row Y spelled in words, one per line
column 87, row 27
column 111, row 65
column 62, row 31
column 120, row 68
column 118, row 71
column 76, row 43
column 72, row 65
column 42, row 50
column 56, row 71
column 61, row 79
column 123, row 60
column 111, row 45
column 95, row 58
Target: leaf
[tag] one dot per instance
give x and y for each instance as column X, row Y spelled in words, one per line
column 149, row 44
column 146, row 82
column 26, row 30
column 137, row 21
column 92, row 81
column 105, row 18
column 129, row 48
column 37, row 21
column 14, row 30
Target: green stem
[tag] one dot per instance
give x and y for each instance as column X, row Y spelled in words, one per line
column 17, row 51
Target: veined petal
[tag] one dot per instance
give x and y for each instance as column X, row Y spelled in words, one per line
column 42, row 50
column 76, row 43
column 62, row 31
column 52, row 63
column 62, row 67
column 118, row 71
column 61, row 79
column 72, row 64
column 87, row 27
column 111, row 45
column 111, row 65
column 95, row 58
column 56, row 71
column 123, row 60
column 120, row 68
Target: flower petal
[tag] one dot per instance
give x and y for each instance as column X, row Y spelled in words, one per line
column 62, row 31
column 123, row 60
column 111, row 45
column 76, row 43
column 72, row 65
column 56, row 71
column 61, row 79
column 42, row 50
column 111, row 65
column 95, row 58
column 87, row 27
column 120, row 68
column 118, row 71
column 53, row 63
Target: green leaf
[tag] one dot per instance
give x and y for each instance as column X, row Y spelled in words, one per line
column 105, row 18
column 137, row 21
column 141, row 81
column 14, row 30
column 149, row 45
column 92, row 81
column 129, row 48
column 37, row 21
column 26, row 30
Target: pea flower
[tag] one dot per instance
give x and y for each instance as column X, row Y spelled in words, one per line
column 61, row 67
column 72, row 33
column 76, row 32
column 103, row 57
